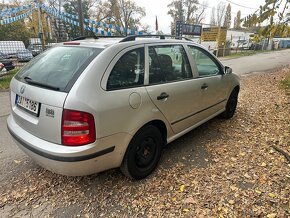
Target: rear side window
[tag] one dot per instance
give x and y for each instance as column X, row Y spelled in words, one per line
column 128, row 72
column 57, row 66
column 168, row 63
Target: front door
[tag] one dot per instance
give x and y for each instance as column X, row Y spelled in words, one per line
column 211, row 80
column 172, row 87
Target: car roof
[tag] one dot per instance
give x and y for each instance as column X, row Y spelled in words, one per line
column 104, row 42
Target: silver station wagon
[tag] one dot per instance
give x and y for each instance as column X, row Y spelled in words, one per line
column 90, row 105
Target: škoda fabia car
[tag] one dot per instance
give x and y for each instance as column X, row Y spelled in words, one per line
column 93, row 104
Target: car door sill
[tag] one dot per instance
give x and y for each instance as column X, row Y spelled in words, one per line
column 176, row 136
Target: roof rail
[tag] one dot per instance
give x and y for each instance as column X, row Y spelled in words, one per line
column 133, row 37
column 187, row 39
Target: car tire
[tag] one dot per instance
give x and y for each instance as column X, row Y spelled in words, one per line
column 231, row 105
column 143, row 153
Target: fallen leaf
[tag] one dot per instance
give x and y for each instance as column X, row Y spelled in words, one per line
column 189, row 200
column 258, row 191
column 182, row 188
column 233, row 188
column 17, row 161
column 226, row 210
column 272, row 195
column 263, row 164
column 263, row 179
column 35, row 206
column 242, row 154
column 232, row 202
column 271, row 215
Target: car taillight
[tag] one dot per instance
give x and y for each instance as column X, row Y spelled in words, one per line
column 78, row 128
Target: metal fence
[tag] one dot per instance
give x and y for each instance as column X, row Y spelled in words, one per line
column 14, row 54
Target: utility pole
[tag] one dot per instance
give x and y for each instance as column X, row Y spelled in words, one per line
column 59, row 23
column 40, row 28
column 81, row 17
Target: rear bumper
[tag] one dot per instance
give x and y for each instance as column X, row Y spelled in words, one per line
column 104, row 154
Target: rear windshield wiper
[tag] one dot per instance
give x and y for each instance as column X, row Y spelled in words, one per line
column 32, row 82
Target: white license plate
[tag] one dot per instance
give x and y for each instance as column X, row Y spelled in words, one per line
column 27, row 104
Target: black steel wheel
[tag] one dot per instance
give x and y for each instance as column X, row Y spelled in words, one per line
column 143, row 153
column 231, row 105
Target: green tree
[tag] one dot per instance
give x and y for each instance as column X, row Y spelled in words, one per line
column 220, row 13
column 237, row 21
column 71, row 7
column 267, row 12
column 16, row 31
column 183, row 10
column 228, row 17
column 122, row 13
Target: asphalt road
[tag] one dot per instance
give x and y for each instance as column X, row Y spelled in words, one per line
column 258, row 63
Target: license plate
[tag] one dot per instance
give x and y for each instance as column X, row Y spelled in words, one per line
column 27, row 104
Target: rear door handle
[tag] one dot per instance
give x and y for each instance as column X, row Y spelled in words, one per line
column 204, row 86
column 162, row 96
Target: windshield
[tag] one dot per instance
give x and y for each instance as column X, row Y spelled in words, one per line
column 56, row 67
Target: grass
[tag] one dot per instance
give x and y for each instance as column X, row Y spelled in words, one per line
column 244, row 53
column 285, row 84
column 5, row 80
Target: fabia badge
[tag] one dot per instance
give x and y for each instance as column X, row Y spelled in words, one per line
column 22, row 89
column 49, row 112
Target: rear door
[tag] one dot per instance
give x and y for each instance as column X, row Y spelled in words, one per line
column 39, row 90
column 171, row 85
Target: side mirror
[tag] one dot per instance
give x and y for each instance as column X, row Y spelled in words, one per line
column 228, row 70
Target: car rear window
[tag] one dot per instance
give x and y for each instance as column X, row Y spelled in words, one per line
column 58, row 67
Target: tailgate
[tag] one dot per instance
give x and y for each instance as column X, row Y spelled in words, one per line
column 38, row 111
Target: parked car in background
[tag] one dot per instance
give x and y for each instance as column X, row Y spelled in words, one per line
column 94, row 104
column 24, row 55
column 10, row 48
column 284, row 43
column 35, row 49
column 7, row 62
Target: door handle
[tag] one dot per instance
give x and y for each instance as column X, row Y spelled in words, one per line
column 162, row 96
column 204, row 86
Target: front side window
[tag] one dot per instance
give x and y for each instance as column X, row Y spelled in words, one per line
column 168, row 63
column 128, row 71
column 206, row 66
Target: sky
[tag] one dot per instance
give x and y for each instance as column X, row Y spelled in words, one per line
column 159, row 8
